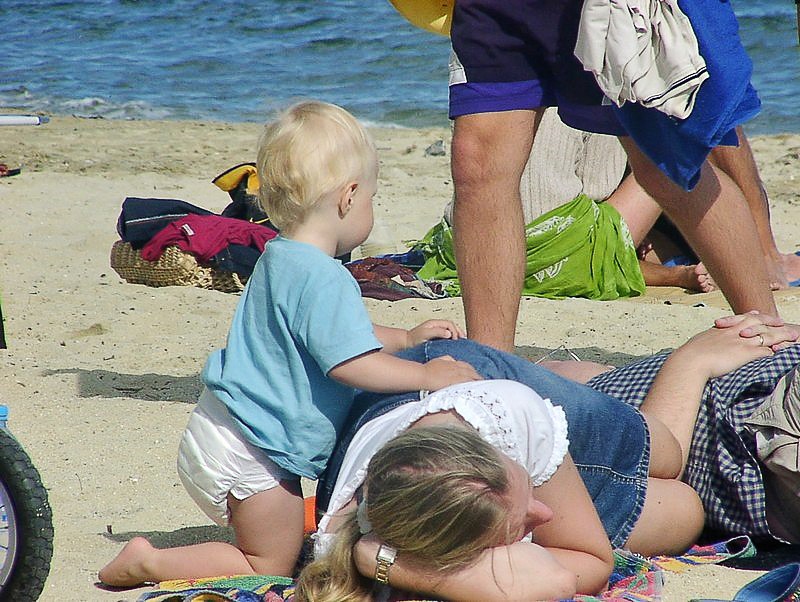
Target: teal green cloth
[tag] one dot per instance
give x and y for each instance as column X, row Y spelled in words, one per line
column 580, row 249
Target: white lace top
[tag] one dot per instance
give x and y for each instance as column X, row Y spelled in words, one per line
column 508, row 415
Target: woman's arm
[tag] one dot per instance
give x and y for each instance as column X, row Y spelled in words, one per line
column 674, row 399
column 574, row 536
column 521, row 571
column 571, row 555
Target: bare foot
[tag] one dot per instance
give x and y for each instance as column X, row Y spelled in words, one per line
column 128, row 568
column 696, row 278
column 791, row 266
column 777, row 273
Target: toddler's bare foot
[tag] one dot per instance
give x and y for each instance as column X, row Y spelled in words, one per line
column 128, row 568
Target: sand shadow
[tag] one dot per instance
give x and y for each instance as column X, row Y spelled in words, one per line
column 148, row 387
column 587, row 354
column 186, row 389
column 185, row 536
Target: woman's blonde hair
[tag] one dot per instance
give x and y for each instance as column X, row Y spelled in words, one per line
column 438, row 495
column 308, row 151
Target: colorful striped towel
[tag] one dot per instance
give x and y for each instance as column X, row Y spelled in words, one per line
column 635, row 579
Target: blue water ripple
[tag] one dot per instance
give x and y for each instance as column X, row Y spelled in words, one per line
column 235, row 61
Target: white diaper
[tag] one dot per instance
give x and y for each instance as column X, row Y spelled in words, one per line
column 214, row 460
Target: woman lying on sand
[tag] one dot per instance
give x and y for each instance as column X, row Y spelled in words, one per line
column 604, row 490
column 469, row 493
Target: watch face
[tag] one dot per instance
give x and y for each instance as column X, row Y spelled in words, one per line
column 387, row 554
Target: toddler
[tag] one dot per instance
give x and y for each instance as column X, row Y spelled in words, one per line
column 300, row 343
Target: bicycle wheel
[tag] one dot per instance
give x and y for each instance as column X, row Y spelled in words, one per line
column 26, row 524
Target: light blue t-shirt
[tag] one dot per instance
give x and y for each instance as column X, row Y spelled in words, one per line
column 300, row 315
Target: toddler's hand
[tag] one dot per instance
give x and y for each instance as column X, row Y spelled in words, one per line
column 434, row 329
column 445, row 371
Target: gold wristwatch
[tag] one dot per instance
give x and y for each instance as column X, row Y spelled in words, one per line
column 384, row 560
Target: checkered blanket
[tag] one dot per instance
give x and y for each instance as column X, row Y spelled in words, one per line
column 722, row 464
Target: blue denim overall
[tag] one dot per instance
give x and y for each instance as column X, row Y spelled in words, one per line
column 608, row 440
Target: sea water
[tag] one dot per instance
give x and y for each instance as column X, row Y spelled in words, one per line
column 235, row 61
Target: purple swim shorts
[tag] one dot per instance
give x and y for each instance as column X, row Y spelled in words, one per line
column 519, row 54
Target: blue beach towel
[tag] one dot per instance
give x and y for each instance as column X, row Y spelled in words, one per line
column 726, row 99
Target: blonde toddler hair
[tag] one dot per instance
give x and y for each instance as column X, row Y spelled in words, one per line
column 438, row 495
column 308, row 151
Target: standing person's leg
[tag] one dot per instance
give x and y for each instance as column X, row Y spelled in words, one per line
column 740, row 165
column 716, row 221
column 489, row 153
column 501, row 77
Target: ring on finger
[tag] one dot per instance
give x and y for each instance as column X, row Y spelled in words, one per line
column 760, row 340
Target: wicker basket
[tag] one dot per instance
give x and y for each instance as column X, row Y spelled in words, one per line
column 173, row 268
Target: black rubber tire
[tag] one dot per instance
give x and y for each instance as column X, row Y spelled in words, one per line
column 24, row 498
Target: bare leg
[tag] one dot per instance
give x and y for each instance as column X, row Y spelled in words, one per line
column 740, row 165
column 579, row 371
column 691, row 277
column 636, row 207
column 791, row 267
column 489, row 153
column 671, row 520
column 269, row 534
column 716, row 222
column 640, row 213
column 269, row 528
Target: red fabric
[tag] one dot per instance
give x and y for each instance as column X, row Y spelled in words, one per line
column 206, row 235
column 374, row 276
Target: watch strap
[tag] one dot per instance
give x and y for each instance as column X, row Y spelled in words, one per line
column 384, row 560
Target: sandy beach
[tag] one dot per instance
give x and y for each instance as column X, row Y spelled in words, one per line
column 100, row 375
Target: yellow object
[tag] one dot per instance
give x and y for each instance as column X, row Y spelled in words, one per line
column 231, row 178
column 432, row 15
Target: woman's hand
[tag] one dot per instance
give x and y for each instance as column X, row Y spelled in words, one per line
column 672, row 404
column 735, row 342
column 434, row 329
column 777, row 334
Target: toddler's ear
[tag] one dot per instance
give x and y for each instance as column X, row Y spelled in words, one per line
column 346, row 198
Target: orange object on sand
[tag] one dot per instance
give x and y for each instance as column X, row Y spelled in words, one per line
column 310, row 520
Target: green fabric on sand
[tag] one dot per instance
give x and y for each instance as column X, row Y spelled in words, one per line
column 580, row 249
